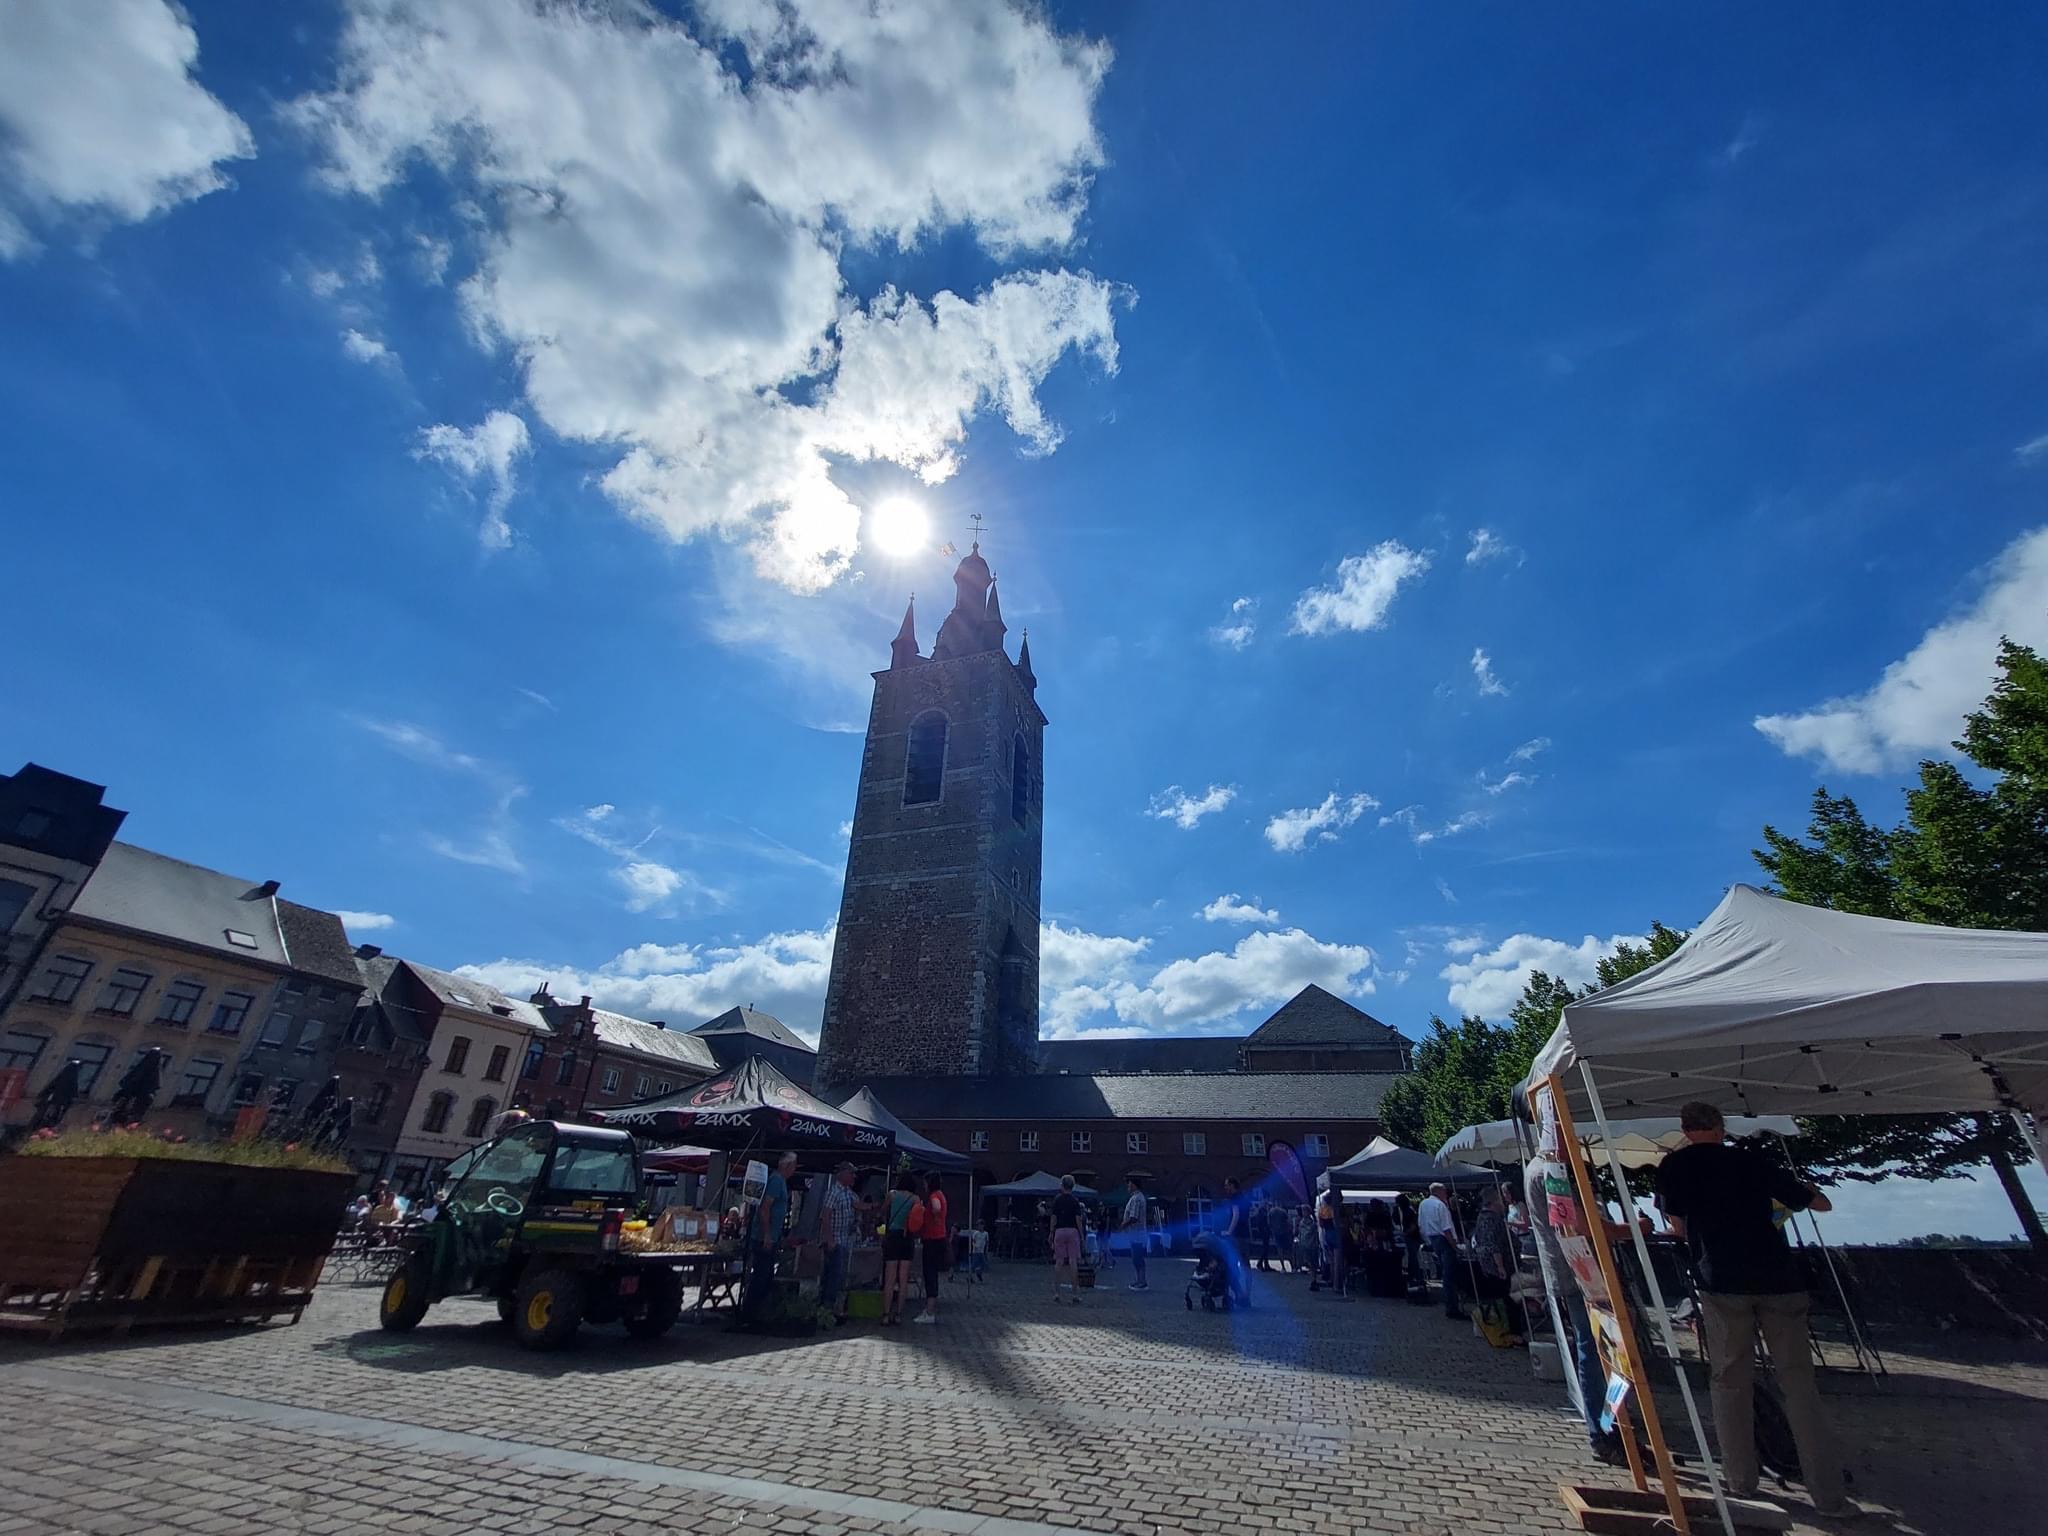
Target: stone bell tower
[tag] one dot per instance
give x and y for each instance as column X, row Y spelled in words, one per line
column 935, row 967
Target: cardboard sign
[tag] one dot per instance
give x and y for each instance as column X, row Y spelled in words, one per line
column 1616, row 1395
column 755, row 1184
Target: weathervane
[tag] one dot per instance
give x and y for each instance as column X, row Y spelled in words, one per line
column 975, row 518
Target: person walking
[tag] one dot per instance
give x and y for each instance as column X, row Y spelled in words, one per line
column 1236, row 1220
column 1440, row 1231
column 1255, row 1218
column 1327, row 1257
column 935, row 1239
column 1280, row 1235
column 1065, row 1236
column 1137, row 1232
column 898, row 1245
column 1410, row 1233
column 842, row 1211
column 1718, row 1199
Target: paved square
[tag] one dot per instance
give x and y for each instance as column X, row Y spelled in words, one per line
column 1129, row 1414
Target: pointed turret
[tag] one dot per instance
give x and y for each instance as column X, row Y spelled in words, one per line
column 967, row 631
column 996, row 627
column 903, row 649
column 1024, row 664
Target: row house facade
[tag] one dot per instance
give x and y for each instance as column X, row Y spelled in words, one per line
column 594, row 1059
column 54, row 830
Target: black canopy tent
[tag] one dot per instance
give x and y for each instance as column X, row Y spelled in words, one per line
column 1384, row 1165
column 749, row 1105
column 921, row 1151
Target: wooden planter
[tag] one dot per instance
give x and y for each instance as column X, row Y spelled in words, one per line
column 115, row 1241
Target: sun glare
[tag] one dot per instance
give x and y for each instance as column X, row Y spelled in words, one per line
column 899, row 526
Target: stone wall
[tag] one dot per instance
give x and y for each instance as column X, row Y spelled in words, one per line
column 1981, row 1290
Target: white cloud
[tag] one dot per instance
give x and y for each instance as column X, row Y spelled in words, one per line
column 366, row 349
column 101, row 116
column 1443, row 889
column 421, row 745
column 366, row 922
column 1917, row 706
column 1228, row 909
column 1290, row 831
column 663, row 214
column 1365, row 590
column 432, row 257
column 490, row 451
column 1237, row 630
column 1529, row 751
column 1483, row 673
column 1506, row 782
column 649, row 884
column 650, row 887
column 492, row 846
column 780, row 973
column 1488, row 983
column 541, row 699
column 2032, row 451
column 1096, row 977
column 1487, row 545
column 1184, row 810
column 1410, row 817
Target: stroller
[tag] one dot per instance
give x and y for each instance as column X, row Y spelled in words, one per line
column 1210, row 1283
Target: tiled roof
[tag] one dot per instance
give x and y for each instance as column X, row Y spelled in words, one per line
column 478, row 997
column 318, row 943
column 1315, row 1017
column 752, row 1021
column 1142, row 1053
column 147, row 893
column 1268, row 1096
column 669, row 1045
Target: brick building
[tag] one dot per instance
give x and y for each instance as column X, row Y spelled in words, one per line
column 594, row 1059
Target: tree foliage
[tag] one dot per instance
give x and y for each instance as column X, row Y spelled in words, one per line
column 1967, row 855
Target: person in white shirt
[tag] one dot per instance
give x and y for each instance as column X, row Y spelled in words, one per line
column 1440, row 1232
column 1137, row 1232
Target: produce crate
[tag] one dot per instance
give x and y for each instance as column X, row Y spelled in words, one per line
column 115, row 1241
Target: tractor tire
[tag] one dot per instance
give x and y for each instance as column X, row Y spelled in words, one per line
column 664, row 1304
column 547, row 1309
column 506, row 1306
column 405, row 1300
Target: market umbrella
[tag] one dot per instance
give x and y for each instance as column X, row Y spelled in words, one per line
column 1638, row 1143
column 136, row 1091
column 750, row 1104
column 58, row 1095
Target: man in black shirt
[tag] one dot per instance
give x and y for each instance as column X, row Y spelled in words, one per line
column 1720, row 1200
column 1065, row 1233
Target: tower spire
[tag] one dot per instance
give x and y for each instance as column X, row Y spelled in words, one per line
column 903, row 649
column 1024, row 664
column 996, row 627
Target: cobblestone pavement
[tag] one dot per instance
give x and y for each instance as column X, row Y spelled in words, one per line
column 1011, row 1418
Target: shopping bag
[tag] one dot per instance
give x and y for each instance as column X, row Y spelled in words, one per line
column 1492, row 1317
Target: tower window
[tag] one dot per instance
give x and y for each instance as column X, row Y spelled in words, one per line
column 1020, row 780
column 924, row 767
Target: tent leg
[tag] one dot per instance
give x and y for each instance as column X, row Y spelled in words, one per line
column 1628, row 1215
column 2029, row 1125
column 1864, row 1348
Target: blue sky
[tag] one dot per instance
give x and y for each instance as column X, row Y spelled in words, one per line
column 1462, row 473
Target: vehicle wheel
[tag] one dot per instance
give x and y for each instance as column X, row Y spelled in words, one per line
column 405, row 1299
column 506, row 1307
column 663, row 1306
column 547, row 1309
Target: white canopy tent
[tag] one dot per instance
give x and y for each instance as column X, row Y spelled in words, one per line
column 1639, row 1143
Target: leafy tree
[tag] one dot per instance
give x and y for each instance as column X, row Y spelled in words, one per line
column 1967, row 855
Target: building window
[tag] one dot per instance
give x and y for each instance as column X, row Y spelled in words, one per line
column 977, row 1141
column 197, row 1084
column 1020, row 780
column 21, row 1049
column 1198, row 1212
column 1194, row 1144
column 501, row 1058
column 282, row 1093
column 230, row 1012
column 565, row 1070
column 123, row 991
column 439, row 1108
column 1080, row 1141
column 609, row 1083
column 277, row 1029
column 1137, row 1141
column 62, row 978
column 14, row 900
column 93, row 1058
column 1254, row 1144
column 480, row 1118
column 535, row 1053
column 1316, row 1144
column 179, row 1000
column 310, row 1033
column 458, row 1054
column 375, row 1103
column 642, row 1087
column 248, row 1089
column 924, row 763
column 663, row 1085
column 1027, row 1141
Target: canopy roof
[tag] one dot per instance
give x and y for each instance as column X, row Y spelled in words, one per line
column 1773, row 1006
column 1037, row 1184
column 751, row 1104
column 1639, row 1143
column 927, row 1153
column 1383, row 1165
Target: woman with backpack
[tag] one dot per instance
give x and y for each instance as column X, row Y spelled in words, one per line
column 902, row 1224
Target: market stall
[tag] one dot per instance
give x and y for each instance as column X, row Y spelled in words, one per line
column 1637, row 1143
column 1384, row 1165
column 1775, row 1007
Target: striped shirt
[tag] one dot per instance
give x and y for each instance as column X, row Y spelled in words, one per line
column 839, row 1214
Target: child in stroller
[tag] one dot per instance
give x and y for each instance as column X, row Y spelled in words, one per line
column 1210, row 1283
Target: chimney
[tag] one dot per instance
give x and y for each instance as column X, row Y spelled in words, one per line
column 267, row 888
column 659, row 1023
column 585, row 1004
column 541, row 995
column 368, row 951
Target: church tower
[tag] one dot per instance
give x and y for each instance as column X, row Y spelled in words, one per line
column 935, row 967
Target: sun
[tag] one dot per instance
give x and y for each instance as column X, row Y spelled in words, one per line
column 899, row 526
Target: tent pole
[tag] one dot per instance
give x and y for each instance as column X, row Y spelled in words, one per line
column 1863, row 1347
column 1642, row 1245
column 2020, row 1118
column 1565, row 1357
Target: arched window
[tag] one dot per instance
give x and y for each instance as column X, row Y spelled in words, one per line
column 480, row 1118
column 1020, row 779
column 439, row 1108
column 924, row 765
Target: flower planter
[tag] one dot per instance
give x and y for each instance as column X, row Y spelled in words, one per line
column 116, row 1241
